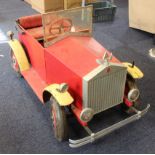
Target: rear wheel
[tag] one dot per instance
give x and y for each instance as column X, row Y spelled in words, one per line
column 59, row 120
column 15, row 64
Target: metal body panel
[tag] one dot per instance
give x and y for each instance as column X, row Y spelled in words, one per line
column 35, row 81
column 104, row 87
column 35, row 53
column 79, row 54
column 58, row 72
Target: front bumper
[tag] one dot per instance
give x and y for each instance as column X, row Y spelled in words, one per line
column 95, row 136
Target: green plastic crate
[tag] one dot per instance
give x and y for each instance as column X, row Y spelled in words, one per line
column 103, row 11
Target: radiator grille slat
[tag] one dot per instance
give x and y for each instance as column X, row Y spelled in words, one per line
column 104, row 92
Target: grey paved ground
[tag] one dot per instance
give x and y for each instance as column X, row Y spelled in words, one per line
column 24, row 123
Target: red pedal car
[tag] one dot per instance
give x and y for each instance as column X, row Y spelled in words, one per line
column 64, row 65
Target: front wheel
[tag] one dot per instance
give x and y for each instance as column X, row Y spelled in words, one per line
column 131, row 84
column 59, row 120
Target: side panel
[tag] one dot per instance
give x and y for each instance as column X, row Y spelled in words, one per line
column 57, row 72
column 35, row 53
column 35, row 81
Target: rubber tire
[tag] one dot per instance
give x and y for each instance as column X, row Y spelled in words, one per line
column 136, row 104
column 14, row 60
column 59, row 120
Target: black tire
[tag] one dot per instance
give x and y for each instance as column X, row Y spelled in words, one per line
column 59, row 120
column 15, row 63
column 136, row 104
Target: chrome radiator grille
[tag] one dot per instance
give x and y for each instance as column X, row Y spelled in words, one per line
column 104, row 89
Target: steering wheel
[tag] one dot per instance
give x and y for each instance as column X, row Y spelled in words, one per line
column 60, row 26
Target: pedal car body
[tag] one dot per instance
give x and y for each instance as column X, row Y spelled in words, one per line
column 61, row 61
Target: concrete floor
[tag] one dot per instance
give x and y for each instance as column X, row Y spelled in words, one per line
column 25, row 126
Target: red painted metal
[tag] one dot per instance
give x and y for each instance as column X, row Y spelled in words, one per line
column 35, row 81
column 35, row 52
column 127, row 102
column 77, row 113
column 57, row 72
column 79, row 54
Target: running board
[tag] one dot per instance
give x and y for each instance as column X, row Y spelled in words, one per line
column 95, row 136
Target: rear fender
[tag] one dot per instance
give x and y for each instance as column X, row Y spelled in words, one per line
column 20, row 55
column 63, row 98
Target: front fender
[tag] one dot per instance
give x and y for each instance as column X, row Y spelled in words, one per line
column 135, row 72
column 64, row 99
column 19, row 54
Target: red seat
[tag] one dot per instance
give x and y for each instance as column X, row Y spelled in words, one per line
column 33, row 25
column 36, row 32
column 28, row 22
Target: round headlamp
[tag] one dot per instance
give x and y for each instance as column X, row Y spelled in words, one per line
column 86, row 114
column 133, row 95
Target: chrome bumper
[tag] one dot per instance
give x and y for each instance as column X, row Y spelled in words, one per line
column 95, row 136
